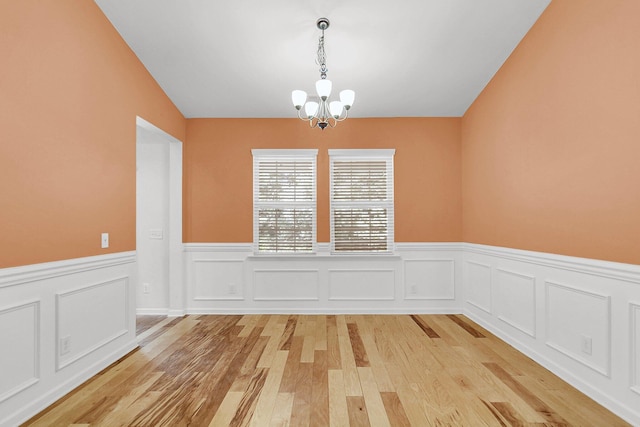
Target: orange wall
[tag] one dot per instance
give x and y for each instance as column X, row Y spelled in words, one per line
column 70, row 92
column 551, row 148
column 218, row 186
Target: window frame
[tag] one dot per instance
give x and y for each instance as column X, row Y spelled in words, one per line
column 284, row 155
column 364, row 155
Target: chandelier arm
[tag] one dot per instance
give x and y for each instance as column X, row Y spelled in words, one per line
column 341, row 119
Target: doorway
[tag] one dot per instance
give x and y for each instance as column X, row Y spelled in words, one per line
column 159, row 289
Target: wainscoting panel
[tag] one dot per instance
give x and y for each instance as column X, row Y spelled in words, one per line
column 61, row 323
column 515, row 300
column 427, row 279
column 579, row 318
column 635, row 346
column 218, row 279
column 478, row 285
column 285, row 285
column 90, row 317
column 20, row 355
column 352, row 284
column 579, row 325
column 418, row 278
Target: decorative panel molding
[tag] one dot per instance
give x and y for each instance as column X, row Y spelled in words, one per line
column 285, row 285
column 515, row 300
column 20, row 354
column 478, row 285
column 361, row 284
column 579, row 325
column 218, row 279
column 89, row 318
column 634, row 316
column 427, row 279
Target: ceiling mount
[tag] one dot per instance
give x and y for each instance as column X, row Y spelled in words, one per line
column 323, row 23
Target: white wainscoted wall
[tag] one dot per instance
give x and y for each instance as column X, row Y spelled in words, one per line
column 580, row 318
column 419, row 278
column 60, row 324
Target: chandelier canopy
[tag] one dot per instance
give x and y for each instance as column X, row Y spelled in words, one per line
column 323, row 113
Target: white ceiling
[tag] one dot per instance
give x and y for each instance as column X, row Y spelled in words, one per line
column 242, row 58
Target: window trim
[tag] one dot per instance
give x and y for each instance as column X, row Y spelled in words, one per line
column 260, row 155
column 354, row 155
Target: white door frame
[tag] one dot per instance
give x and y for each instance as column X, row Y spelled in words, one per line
column 176, row 253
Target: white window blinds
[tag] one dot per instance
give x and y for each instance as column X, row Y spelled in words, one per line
column 284, row 201
column 361, row 201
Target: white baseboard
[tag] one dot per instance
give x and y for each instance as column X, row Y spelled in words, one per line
column 320, row 311
column 152, row 311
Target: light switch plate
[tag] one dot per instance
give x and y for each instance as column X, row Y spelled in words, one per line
column 105, row 240
column 156, row 234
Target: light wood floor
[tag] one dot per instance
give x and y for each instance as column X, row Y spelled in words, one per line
column 279, row 370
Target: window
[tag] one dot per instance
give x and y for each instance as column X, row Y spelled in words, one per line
column 361, row 201
column 284, row 201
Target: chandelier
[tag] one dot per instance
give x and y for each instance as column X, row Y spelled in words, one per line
column 323, row 113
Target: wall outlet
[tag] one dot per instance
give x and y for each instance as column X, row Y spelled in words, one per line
column 146, row 288
column 414, row 288
column 104, row 243
column 65, row 345
column 233, row 289
column 585, row 344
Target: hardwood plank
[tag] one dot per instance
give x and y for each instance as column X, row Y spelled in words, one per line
column 394, row 409
column 321, row 333
column 351, row 379
column 358, row 415
column 287, row 335
column 538, row 405
column 242, row 380
column 375, row 407
column 377, row 365
column 301, row 414
column 425, row 328
column 147, row 321
column 309, row 344
column 320, row 391
column 227, row 409
column 466, row 326
column 290, row 376
column 338, row 410
column 269, row 393
column 248, row 323
column 282, row 410
column 249, row 399
column 271, row 348
column 359, row 352
column 333, row 348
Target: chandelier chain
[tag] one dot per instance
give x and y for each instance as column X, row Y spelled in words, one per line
column 322, row 57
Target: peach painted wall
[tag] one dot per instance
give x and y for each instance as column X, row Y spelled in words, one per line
column 70, row 92
column 218, row 198
column 551, row 148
